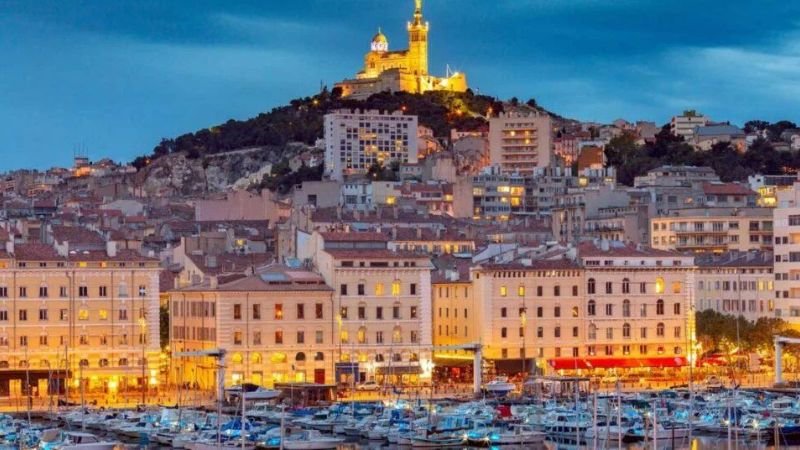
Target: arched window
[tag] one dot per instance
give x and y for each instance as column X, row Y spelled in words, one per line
column 590, row 286
column 319, row 356
column 626, row 286
column 237, row 358
column 103, row 362
column 659, row 285
column 626, row 330
column 362, row 335
column 24, row 363
column 277, row 358
column 676, row 287
column 123, row 362
column 3, row 364
column 84, row 363
column 575, row 311
column 660, row 330
column 397, row 357
column 660, row 307
column 397, row 335
column 591, row 308
column 255, row 358
column 44, row 363
column 592, row 331
column 300, row 356
column 626, row 308
column 678, row 350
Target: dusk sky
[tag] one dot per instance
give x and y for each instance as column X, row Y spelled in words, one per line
column 114, row 77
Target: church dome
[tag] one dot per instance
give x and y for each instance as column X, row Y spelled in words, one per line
column 379, row 42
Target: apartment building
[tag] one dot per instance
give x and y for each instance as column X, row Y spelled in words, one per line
column 497, row 195
column 639, row 307
column 355, row 140
column 786, row 219
column 520, row 142
column 277, row 326
column 78, row 321
column 714, row 230
column 383, row 303
column 531, row 313
column 736, row 283
column 455, row 321
column 685, row 124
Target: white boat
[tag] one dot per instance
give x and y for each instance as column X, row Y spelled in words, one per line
column 518, row 435
column 662, row 432
column 499, row 386
column 56, row 439
column 311, row 440
column 437, row 441
column 258, row 394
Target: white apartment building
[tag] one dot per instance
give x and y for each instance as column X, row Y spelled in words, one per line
column 786, row 219
column 714, row 230
column 685, row 124
column 519, row 143
column 354, row 140
column 736, row 283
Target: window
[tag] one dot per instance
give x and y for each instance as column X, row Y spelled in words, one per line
column 123, row 314
column 279, row 336
column 379, row 337
column 609, row 309
column 539, row 291
column 23, row 292
column 503, row 291
column 301, row 311
column 659, row 285
column 609, row 287
column 237, row 311
column 575, row 332
column 23, row 315
column 521, row 291
column 540, row 332
column 660, row 307
column 643, row 310
column 279, row 311
column 361, row 289
column 626, row 331
column 343, row 312
column 342, row 289
column 3, row 291
column 503, row 332
column 557, row 332
column 256, row 338
column 412, row 289
column 42, row 291
column 503, row 312
column 643, row 333
column 395, row 288
column 590, row 286
column 23, row 341
column 318, row 311
column 3, row 315
column 379, row 313
column 362, row 312
column 413, row 312
column 626, row 308
column 142, row 290
column 676, row 309
column 591, row 309
column 557, row 311
column 539, row 311
column 643, row 288
column 42, row 314
column 256, row 311
column 102, row 291
column 378, row 289
column 557, row 291
column 319, row 337
column 575, row 290
column 574, row 311
column 677, row 331
column 676, row 287
column 237, row 338
column 397, row 335
column 63, row 316
column 43, row 340
column 626, row 286
column 301, row 337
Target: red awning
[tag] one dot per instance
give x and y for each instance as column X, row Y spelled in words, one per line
column 612, row 362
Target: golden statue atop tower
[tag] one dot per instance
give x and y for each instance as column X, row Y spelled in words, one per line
column 400, row 70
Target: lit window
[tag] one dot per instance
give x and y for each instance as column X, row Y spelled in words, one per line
column 659, row 285
column 503, row 291
column 83, row 314
column 103, row 314
column 676, row 287
column 396, row 288
column 379, row 289
column 521, row 291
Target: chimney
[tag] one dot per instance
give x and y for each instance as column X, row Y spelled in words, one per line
column 356, row 215
column 339, row 212
column 111, row 249
column 438, row 233
column 213, row 282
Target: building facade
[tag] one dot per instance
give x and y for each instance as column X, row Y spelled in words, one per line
column 355, row 140
column 736, row 283
column 519, row 143
column 714, row 230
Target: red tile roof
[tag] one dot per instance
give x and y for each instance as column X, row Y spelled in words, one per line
column 622, row 250
column 362, row 236
column 36, row 252
column 726, row 189
column 76, row 235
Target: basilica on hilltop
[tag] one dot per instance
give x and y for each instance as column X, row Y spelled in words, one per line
column 401, row 70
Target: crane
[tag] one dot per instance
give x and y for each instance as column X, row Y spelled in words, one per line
column 780, row 341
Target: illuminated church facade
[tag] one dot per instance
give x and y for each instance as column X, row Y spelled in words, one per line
column 400, row 70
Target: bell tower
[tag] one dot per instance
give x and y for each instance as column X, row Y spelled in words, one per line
column 418, row 42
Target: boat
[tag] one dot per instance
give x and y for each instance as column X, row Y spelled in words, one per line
column 500, row 387
column 311, row 440
column 518, row 434
column 437, row 441
column 56, row 439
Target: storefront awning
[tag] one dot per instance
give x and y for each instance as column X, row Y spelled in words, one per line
column 612, row 362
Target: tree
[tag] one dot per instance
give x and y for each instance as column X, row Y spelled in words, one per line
column 532, row 103
column 751, row 126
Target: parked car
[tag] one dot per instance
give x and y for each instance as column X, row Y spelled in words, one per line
column 368, row 386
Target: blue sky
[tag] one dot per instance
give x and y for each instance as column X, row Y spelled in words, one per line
column 114, row 77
